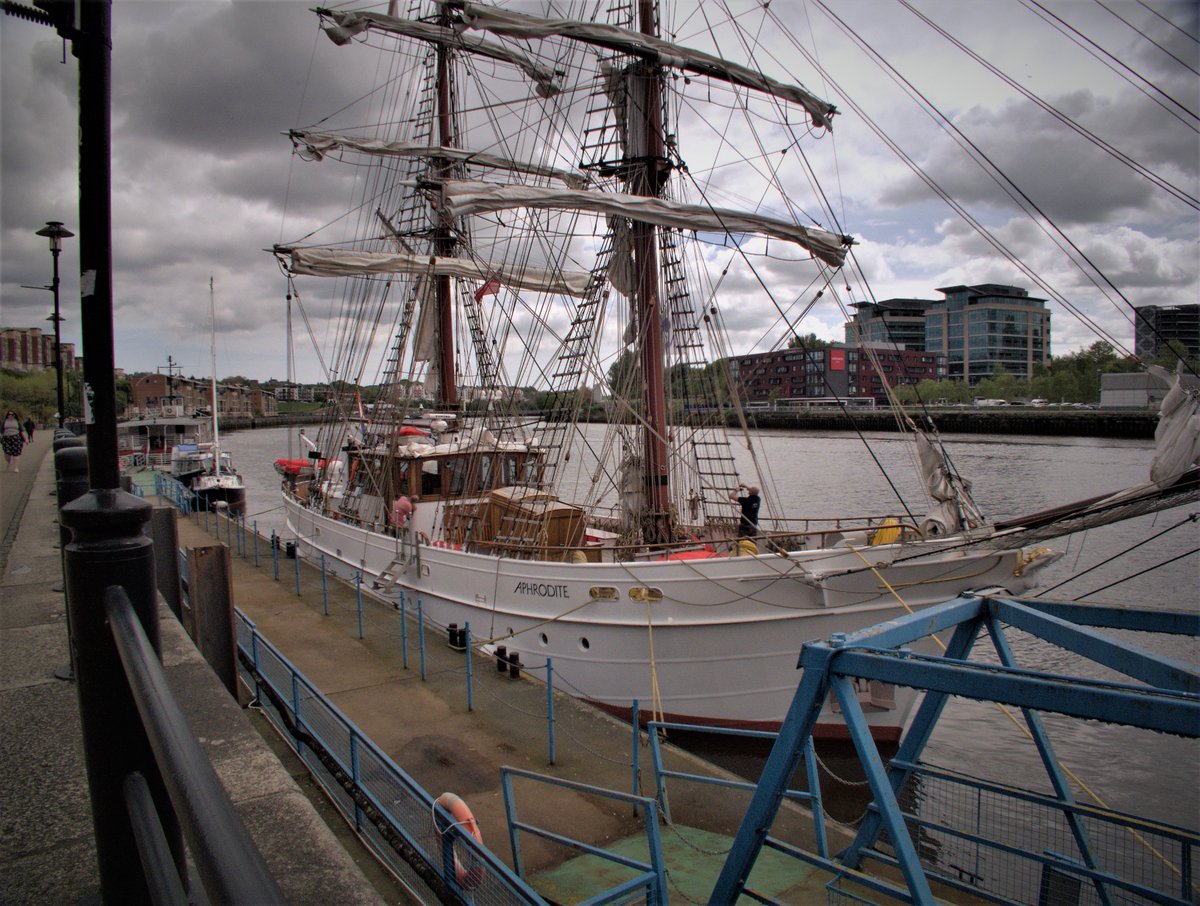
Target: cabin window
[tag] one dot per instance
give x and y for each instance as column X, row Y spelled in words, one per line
column 485, row 472
column 455, row 470
column 431, row 478
column 508, row 469
column 401, row 474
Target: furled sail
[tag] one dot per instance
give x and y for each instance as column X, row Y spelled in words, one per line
column 319, row 144
column 523, row 27
column 334, row 262
column 354, row 22
column 462, row 198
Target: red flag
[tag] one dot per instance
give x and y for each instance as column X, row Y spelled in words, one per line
column 490, row 288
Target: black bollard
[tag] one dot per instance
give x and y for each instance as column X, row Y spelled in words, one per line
column 501, row 658
column 109, row 547
column 71, row 472
column 514, row 665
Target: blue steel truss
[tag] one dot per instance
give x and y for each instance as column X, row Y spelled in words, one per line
column 1164, row 696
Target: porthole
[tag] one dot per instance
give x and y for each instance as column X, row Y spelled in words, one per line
column 638, row 593
column 604, row 593
column 542, row 640
column 584, row 644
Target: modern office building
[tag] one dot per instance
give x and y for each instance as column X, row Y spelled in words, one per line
column 979, row 329
column 896, row 322
column 1157, row 325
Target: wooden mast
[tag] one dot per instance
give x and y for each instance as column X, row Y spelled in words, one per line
column 447, row 390
column 648, row 179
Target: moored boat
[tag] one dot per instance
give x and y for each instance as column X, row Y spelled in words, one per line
column 542, row 229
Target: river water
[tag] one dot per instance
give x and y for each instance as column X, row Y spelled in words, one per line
column 827, row 474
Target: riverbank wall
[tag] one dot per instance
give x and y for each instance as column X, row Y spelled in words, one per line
column 995, row 422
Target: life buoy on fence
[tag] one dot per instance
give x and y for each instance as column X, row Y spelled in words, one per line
column 468, row 879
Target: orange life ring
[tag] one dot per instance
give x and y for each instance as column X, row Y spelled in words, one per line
column 468, row 879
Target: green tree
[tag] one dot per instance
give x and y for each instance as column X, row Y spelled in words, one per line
column 809, row 342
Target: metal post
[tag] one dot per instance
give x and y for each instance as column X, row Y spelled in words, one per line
column 550, row 703
column 70, row 466
column 296, row 568
column 637, row 745
column 403, row 633
column 324, row 587
column 421, row 635
column 358, row 594
column 210, row 583
column 275, row 553
column 467, row 647
column 256, row 544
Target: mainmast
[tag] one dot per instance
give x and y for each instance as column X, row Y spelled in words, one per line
column 444, row 238
column 648, row 175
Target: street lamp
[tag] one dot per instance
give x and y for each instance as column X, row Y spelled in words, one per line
column 56, row 233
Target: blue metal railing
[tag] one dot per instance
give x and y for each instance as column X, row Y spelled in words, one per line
column 650, row 878
column 415, row 837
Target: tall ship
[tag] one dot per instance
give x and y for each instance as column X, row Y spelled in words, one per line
column 534, row 431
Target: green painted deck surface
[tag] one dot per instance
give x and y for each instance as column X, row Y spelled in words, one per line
column 693, row 861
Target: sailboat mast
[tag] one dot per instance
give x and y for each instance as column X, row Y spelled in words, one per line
column 649, row 179
column 216, row 443
column 448, row 392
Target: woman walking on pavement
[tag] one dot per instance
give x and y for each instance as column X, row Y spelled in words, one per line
column 13, row 440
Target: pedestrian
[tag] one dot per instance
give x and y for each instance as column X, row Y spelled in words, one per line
column 13, row 440
column 749, row 503
column 29, row 426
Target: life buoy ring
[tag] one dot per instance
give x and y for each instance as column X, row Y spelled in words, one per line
column 468, row 879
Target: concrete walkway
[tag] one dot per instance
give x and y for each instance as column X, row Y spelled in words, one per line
column 47, row 848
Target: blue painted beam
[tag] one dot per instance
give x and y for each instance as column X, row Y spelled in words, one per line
column 1165, row 711
column 905, row 630
column 1120, row 656
column 1105, row 616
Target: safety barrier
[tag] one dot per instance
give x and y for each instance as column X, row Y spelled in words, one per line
column 227, row 861
column 414, row 836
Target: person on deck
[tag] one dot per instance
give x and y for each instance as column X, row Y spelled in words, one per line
column 749, row 503
column 402, row 509
column 12, row 438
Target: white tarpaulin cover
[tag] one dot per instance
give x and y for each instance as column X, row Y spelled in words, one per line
column 517, row 25
column 318, row 144
column 464, row 198
column 354, row 22
column 331, row 262
column 1177, row 437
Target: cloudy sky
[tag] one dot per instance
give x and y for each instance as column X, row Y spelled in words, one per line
column 204, row 182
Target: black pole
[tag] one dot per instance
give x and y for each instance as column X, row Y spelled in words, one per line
column 58, row 341
column 94, row 49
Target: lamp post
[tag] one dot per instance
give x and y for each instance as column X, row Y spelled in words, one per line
column 56, row 233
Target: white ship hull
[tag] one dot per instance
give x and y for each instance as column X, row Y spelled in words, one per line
column 720, row 645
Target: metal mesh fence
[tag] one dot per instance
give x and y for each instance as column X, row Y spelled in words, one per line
column 389, row 810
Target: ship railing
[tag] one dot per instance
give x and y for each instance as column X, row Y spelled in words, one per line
column 411, row 834
column 649, row 883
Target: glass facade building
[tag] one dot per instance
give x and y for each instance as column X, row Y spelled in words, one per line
column 979, row 329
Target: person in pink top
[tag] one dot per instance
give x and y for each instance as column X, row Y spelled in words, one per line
column 401, row 511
